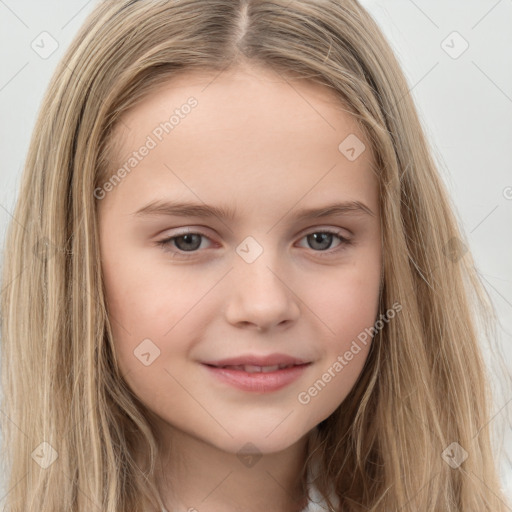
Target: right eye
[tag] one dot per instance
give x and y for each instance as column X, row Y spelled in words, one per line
column 187, row 242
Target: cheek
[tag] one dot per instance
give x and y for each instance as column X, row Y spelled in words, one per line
column 346, row 299
column 347, row 306
column 146, row 302
column 146, row 314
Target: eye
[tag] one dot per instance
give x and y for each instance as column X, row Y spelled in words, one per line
column 189, row 242
column 185, row 243
column 322, row 241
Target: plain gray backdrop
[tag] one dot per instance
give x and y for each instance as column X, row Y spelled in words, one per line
column 457, row 56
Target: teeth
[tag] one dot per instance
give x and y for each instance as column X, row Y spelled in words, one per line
column 250, row 368
column 266, row 369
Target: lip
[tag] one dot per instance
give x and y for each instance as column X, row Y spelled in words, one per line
column 258, row 382
column 257, row 360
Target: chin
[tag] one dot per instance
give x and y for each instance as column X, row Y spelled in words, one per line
column 263, row 441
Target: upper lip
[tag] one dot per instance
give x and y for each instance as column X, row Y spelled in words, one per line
column 256, row 360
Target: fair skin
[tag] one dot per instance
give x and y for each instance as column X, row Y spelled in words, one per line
column 267, row 149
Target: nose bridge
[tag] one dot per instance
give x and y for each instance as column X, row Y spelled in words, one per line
column 259, row 293
column 258, row 264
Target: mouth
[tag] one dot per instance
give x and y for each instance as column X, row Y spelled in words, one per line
column 272, row 361
column 251, row 368
column 259, row 375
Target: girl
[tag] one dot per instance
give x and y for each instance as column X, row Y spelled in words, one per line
column 315, row 348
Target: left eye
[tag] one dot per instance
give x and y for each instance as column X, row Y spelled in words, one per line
column 322, row 239
column 190, row 242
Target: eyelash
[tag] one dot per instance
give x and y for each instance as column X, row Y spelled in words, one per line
column 166, row 243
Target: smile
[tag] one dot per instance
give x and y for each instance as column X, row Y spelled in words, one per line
column 257, row 379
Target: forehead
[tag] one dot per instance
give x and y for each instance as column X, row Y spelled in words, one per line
column 249, row 129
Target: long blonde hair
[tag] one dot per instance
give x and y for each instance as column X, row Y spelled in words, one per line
column 70, row 424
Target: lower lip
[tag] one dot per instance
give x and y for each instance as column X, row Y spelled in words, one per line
column 258, row 382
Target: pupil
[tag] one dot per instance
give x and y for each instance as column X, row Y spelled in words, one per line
column 321, row 235
column 189, row 241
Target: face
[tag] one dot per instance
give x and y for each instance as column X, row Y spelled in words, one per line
column 260, row 283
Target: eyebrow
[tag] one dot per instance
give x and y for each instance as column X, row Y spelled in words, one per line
column 190, row 209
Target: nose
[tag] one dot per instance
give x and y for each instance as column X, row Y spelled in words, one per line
column 261, row 296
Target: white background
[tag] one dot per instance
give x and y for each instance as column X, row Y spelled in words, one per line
column 465, row 104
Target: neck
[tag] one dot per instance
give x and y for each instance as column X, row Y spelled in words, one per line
column 197, row 477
